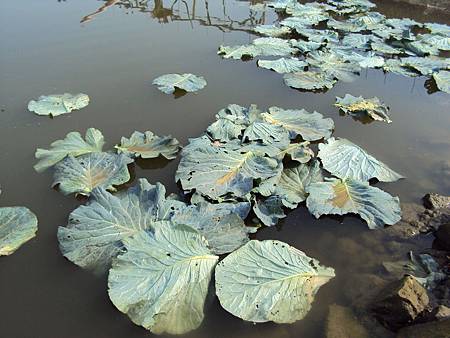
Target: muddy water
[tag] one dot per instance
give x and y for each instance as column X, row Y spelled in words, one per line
column 113, row 56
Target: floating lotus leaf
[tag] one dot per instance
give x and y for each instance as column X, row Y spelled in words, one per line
column 310, row 126
column 426, row 65
column 238, row 52
column 222, row 224
column 422, row 48
column 148, row 145
column 272, row 30
column 309, row 80
column 54, row 105
column 383, row 47
column 283, row 65
column 269, row 211
column 168, row 83
column 162, row 280
column 438, row 28
column 95, row 232
column 17, row 226
column 306, row 46
column 269, row 281
column 357, row 40
column 319, row 35
column 333, row 65
column 439, row 41
column 344, row 26
column 281, row 4
column 355, row 106
column 310, row 15
column 299, row 152
column 82, row 174
column 300, row 22
column 73, row 144
column 363, row 59
column 273, row 46
column 442, row 79
column 340, row 197
column 369, row 21
column 345, row 159
column 351, row 5
column 404, row 23
column 267, row 133
column 218, row 171
column 395, row 66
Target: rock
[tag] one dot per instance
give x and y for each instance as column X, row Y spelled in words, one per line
column 443, row 236
column 400, row 303
column 442, row 312
column 435, row 201
column 361, row 290
column 342, row 323
column 436, row 329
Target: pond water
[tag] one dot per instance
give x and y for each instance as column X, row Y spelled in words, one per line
column 113, row 56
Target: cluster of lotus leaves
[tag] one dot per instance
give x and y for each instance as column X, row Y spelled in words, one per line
column 352, row 36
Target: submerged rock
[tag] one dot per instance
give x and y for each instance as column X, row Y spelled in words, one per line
column 342, row 323
column 435, row 201
column 400, row 303
column 436, row 329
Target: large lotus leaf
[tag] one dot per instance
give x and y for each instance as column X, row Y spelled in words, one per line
column 149, row 145
column 269, row 281
column 293, row 183
column 73, row 144
column 272, row 30
column 422, row 48
column 82, row 174
column 319, row 35
column 300, row 22
column 299, row 152
column 281, row 4
column 351, row 5
column 283, row 65
column 310, row 126
column 267, row 133
column 333, row 65
column 94, row 234
column 162, row 280
column 345, row 159
column 363, row 59
column 17, row 226
column 218, row 171
column 442, row 79
column 357, row 40
column 426, row 65
column 273, row 46
column 383, row 47
column 168, row 83
column 373, row 107
column 306, row 46
column 340, row 197
column 225, row 130
column 369, row 21
column 238, row 52
column 404, row 23
column 309, row 15
column 309, row 80
column 269, row 211
column 222, row 224
column 438, row 28
column 396, row 66
column 60, row 104
column 440, row 42
column 344, row 26
column 239, row 114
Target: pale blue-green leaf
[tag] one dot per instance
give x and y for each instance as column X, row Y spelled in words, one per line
column 17, row 226
column 273, row 46
column 82, row 174
column 344, row 26
column 439, row 41
column 148, row 145
column 306, row 46
column 383, row 47
column 442, row 79
column 238, row 52
column 168, row 83
column 54, row 105
column 272, row 30
column 269, row 211
column 283, row 65
column 422, row 48
column 225, row 130
column 299, row 152
column 162, row 280
column 345, row 159
column 73, row 144
column 267, row 133
column 94, row 233
column 309, row 80
column 308, row 15
column 404, row 23
column 438, row 28
column 355, row 40
column 370, row 20
column 395, row 66
column 363, row 59
column 341, row 197
column 426, row 65
column 372, row 107
column 269, row 281
column 333, row 65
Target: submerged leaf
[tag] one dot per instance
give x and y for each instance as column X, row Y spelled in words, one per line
column 17, row 226
column 149, row 145
column 309, row 80
column 345, row 159
column 168, row 83
column 340, row 197
column 162, row 280
column 283, row 65
column 442, row 79
column 54, row 105
column 82, row 174
column 373, row 107
column 269, row 281
column 73, row 144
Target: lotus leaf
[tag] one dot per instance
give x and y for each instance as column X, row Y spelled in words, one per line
column 333, row 65
column 269, row 281
column 437, row 28
column 383, row 47
column 272, row 30
column 309, row 80
column 426, row 65
column 442, row 79
column 238, row 52
column 148, row 145
column 355, row 40
column 267, row 133
column 54, row 105
column 299, row 152
column 73, row 144
column 373, row 107
column 283, row 65
column 306, row 46
column 82, row 174
column 269, row 211
column 273, row 46
column 340, row 197
column 344, row 26
column 17, row 226
column 168, row 83
column 162, row 280
column 345, row 159
column 395, row 66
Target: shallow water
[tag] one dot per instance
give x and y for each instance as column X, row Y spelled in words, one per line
column 113, row 58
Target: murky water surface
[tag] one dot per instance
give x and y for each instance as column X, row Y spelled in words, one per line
column 113, row 56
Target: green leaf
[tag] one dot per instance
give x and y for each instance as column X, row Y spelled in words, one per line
column 345, row 159
column 272, row 30
column 442, row 79
column 162, row 280
column 54, row 105
column 82, row 174
column 372, row 107
column 168, row 83
column 283, row 65
column 333, row 65
column 95, row 232
column 17, row 226
column 309, row 80
column 73, row 144
column 340, row 197
column 310, row 126
column 149, row 145
column 269, row 281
